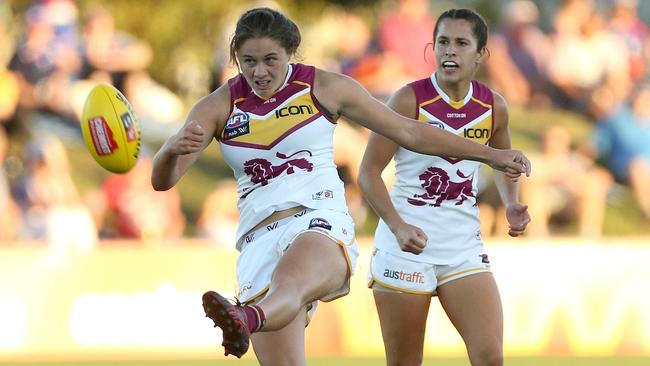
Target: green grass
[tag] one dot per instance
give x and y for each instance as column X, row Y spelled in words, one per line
column 511, row 361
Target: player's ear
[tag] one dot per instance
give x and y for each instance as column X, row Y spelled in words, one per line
column 481, row 55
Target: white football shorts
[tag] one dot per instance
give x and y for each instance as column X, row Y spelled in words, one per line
column 263, row 248
column 391, row 272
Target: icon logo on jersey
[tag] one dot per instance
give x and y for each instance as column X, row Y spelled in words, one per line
column 439, row 187
column 293, row 110
column 415, row 277
column 263, row 171
column 476, row 133
column 236, row 125
column 436, row 124
column 318, row 222
column 322, row 195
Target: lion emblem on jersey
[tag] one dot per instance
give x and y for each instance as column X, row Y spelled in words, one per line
column 439, row 187
column 263, row 171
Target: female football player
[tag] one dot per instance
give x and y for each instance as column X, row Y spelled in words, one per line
column 428, row 241
column 274, row 123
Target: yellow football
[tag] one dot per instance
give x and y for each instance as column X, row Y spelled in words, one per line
column 110, row 129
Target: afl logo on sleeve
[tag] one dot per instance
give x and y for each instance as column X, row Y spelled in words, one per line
column 237, row 125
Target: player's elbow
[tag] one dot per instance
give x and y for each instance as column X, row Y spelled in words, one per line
column 363, row 180
column 157, row 186
column 412, row 138
column 160, row 183
column 366, row 179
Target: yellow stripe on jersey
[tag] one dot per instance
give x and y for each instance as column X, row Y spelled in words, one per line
column 457, row 104
column 481, row 103
column 430, row 101
column 301, row 83
column 266, row 130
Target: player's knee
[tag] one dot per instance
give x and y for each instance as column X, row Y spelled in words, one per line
column 405, row 359
column 289, row 284
column 489, row 356
column 281, row 358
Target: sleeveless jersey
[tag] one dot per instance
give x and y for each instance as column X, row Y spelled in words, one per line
column 439, row 194
column 280, row 149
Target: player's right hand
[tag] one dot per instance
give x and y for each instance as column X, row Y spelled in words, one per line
column 410, row 238
column 189, row 139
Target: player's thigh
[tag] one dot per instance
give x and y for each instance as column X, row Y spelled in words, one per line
column 315, row 261
column 403, row 319
column 473, row 305
column 282, row 347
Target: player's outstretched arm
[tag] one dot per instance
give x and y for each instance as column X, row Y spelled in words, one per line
column 344, row 96
column 182, row 149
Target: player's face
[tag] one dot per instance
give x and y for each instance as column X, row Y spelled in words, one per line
column 456, row 51
column 264, row 64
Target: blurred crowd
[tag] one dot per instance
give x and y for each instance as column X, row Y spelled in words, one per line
column 587, row 57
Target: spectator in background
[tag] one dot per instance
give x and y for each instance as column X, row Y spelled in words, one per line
column 8, row 80
column 623, row 144
column 219, row 217
column 49, row 200
column 589, row 64
column 10, row 218
column 567, row 186
column 46, row 62
column 624, row 20
column 120, row 59
column 519, row 55
column 133, row 210
column 403, row 33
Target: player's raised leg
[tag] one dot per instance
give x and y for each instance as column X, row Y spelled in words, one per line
column 313, row 267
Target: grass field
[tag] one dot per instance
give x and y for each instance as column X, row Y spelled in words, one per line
column 512, row 361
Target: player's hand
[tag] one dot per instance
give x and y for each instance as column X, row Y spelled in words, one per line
column 518, row 218
column 512, row 162
column 189, row 139
column 410, row 238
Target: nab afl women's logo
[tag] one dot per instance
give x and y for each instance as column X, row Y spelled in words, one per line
column 237, row 120
column 236, row 125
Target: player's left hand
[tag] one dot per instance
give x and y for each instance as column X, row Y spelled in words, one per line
column 512, row 163
column 518, row 218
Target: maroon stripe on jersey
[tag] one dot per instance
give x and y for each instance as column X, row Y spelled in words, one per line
column 424, row 91
column 483, row 93
column 304, row 73
column 239, row 87
column 456, row 118
column 261, row 107
column 276, row 141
